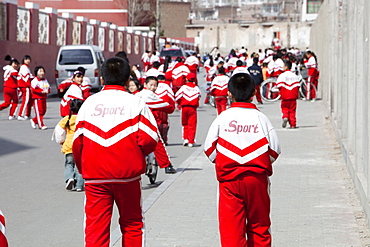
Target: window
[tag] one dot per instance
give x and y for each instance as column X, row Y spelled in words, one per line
column 78, row 56
column 313, row 6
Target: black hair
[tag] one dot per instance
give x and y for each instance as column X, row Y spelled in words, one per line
column 179, row 59
column 38, row 68
column 241, row 86
column 137, row 83
column 211, row 63
column 11, row 60
column 156, row 64
column 25, row 58
column 74, row 107
column 115, row 71
column 239, row 63
column 221, row 70
column 123, row 55
column 288, row 64
column 151, row 78
column 82, row 69
column 167, row 61
column 161, row 77
column 255, row 60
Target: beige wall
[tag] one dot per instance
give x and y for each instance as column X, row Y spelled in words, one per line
column 340, row 38
column 253, row 36
column 174, row 17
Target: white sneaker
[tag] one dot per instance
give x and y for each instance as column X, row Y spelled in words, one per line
column 186, row 142
column 44, row 127
column 11, row 117
column 70, row 184
column 190, row 145
column 19, row 118
column 33, row 125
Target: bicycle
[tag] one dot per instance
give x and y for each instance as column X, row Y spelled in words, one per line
column 151, row 168
column 270, row 93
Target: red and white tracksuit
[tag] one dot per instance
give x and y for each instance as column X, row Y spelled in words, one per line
column 219, row 90
column 157, row 105
column 165, row 92
column 119, row 128
column 231, row 63
column 24, row 85
column 193, row 63
column 39, row 88
column 179, row 73
column 275, row 68
column 73, row 92
column 10, row 90
column 288, row 84
column 313, row 76
column 240, row 69
column 85, row 86
column 188, row 99
column 3, row 240
column 243, row 145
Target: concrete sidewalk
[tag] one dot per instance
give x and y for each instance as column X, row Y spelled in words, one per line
column 312, row 196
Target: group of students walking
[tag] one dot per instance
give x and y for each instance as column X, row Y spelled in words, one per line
column 21, row 85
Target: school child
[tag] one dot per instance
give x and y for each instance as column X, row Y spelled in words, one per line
column 179, row 73
column 193, row 63
column 85, row 85
column 219, row 90
column 134, row 86
column 63, row 134
column 240, row 68
column 165, row 92
column 188, row 99
column 24, row 83
column 73, row 92
column 243, row 145
column 288, row 84
column 40, row 87
column 256, row 72
column 313, row 73
column 10, row 86
column 157, row 105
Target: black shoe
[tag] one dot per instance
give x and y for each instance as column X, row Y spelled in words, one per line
column 169, row 169
column 285, row 121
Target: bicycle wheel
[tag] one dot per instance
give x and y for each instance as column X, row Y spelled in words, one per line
column 307, row 91
column 212, row 101
column 154, row 171
column 267, row 92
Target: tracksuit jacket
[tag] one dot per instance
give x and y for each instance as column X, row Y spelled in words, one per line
column 10, row 89
column 39, row 99
column 219, row 90
column 73, row 92
column 24, row 84
column 243, row 145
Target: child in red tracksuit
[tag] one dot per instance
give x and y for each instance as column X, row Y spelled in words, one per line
column 10, row 86
column 288, row 84
column 157, row 105
column 188, row 99
column 73, row 92
column 243, row 145
column 24, row 83
column 40, row 87
column 219, row 90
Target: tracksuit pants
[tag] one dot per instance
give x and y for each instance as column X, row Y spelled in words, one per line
column 288, row 109
column 244, row 211
column 161, row 155
column 258, row 93
column 311, row 94
column 98, row 213
column 39, row 106
column 189, row 123
column 26, row 105
column 221, row 103
column 10, row 99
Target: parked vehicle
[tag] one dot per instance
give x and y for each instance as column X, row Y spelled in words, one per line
column 174, row 52
column 70, row 57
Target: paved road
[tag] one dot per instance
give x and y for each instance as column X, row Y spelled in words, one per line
column 38, row 209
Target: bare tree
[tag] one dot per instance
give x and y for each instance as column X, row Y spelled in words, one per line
column 140, row 12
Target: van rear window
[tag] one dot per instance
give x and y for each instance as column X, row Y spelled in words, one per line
column 78, row 56
column 172, row 53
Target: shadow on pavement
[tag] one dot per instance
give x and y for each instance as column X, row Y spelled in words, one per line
column 152, row 186
column 8, row 147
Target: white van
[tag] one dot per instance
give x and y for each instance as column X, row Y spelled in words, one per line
column 70, row 57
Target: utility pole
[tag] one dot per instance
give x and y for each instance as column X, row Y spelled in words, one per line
column 157, row 24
